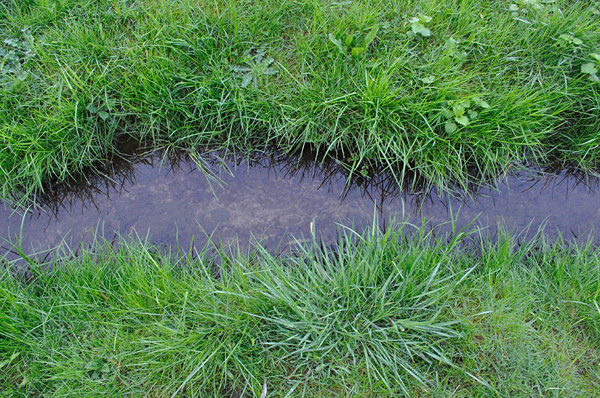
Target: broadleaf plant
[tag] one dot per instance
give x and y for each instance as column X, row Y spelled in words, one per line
column 591, row 68
column 417, row 25
column 452, row 50
column 570, row 39
column 255, row 65
column 354, row 46
column 462, row 112
column 15, row 52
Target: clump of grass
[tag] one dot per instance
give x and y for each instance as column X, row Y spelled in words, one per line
column 370, row 310
column 386, row 314
column 374, row 82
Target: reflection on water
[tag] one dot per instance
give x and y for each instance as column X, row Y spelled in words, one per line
column 278, row 198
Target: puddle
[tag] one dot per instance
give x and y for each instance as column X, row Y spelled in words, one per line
column 276, row 198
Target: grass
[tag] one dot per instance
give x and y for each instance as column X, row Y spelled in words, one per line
column 394, row 313
column 435, row 90
column 351, row 79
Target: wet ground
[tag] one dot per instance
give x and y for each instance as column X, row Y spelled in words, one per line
column 279, row 199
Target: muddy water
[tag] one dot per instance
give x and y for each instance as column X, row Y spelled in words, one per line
column 278, row 199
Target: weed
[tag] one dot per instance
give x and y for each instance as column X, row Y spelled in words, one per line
column 417, row 25
column 462, row 112
column 570, row 39
column 591, row 68
column 256, row 64
column 15, row 52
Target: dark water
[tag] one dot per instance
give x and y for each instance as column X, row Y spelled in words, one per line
column 278, row 199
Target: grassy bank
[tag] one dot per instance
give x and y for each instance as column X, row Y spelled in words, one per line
column 446, row 88
column 440, row 89
column 394, row 313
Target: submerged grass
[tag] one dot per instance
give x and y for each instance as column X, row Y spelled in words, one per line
column 443, row 88
column 386, row 314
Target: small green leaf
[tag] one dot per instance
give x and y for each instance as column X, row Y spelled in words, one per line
column 357, row 51
column 472, row 114
column 513, row 7
column 589, row 68
column 451, row 46
column 92, row 108
column 419, row 28
column 370, row 36
column 349, row 40
column 428, row 80
column 447, row 113
column 22, row 75
column 481, row 103
column 246, row 80
column 338, row 44
column 240, row 68
column 569, row 38
column 92, row 365
column 458, row 110
column 450, row 127
column 464, row 120
column 103, row 115
column 595, row 56
column 12, row 42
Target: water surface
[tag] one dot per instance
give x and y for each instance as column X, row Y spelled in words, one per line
column 279, row 199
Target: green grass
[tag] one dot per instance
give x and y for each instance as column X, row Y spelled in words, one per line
column 75, row 75
column 396, row 313
column 387, row 314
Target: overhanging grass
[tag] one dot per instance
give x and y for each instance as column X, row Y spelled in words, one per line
column 254, row 73
column 394, row 313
